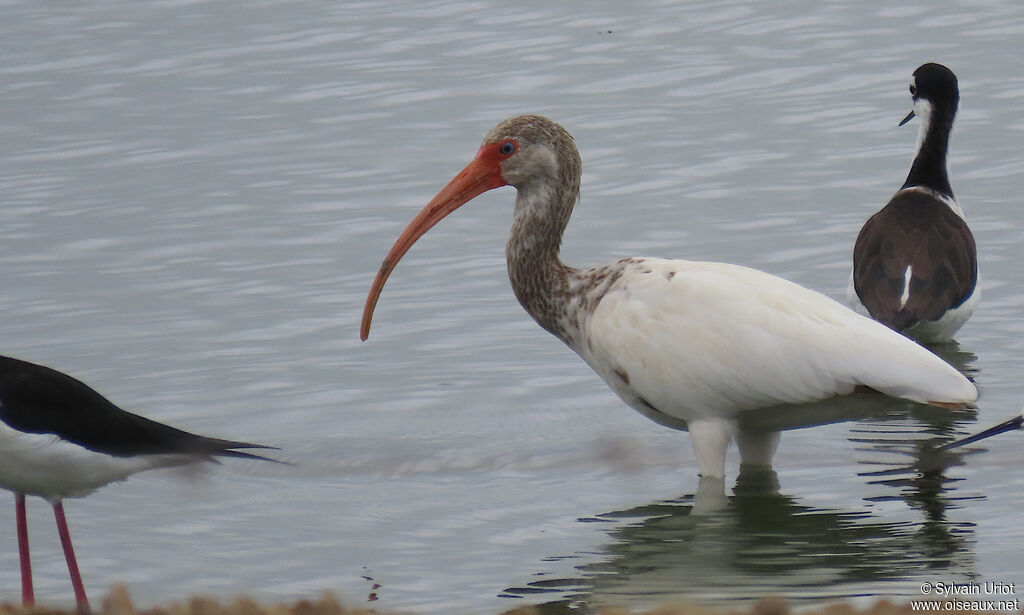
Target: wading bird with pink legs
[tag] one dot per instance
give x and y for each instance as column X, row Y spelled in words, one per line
column 59, row 438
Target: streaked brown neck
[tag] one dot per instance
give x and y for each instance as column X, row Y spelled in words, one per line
column 539, row 278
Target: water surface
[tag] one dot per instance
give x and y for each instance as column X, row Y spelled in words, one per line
column 196, row 196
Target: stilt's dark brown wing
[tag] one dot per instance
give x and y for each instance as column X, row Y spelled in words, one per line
column 918, row 231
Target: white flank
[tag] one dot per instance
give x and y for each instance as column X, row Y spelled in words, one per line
column 53, row 468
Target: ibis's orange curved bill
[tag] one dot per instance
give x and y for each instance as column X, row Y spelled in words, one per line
column 479, row 176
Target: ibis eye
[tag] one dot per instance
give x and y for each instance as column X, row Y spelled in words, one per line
column 913, row 90
column 507, row 148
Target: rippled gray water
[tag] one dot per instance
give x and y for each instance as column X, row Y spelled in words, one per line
column 196, row 195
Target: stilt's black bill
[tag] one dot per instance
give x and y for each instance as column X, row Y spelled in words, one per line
column 1010, row 425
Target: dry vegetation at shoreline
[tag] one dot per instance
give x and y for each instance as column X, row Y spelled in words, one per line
column 119, row 602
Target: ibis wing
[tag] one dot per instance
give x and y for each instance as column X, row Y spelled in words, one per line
column 702, row 339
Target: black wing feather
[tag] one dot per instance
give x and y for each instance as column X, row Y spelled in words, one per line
column 37, row 399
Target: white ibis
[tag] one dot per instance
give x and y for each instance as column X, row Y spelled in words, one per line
column 915, row 265
column 688, row 344
column 59, row 438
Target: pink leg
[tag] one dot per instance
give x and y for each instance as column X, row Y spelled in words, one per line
column 69, row 555
column 28, row 597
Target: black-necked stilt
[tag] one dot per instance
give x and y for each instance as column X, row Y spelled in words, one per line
column 690, row 345
column 915, row 265
column 59, row 438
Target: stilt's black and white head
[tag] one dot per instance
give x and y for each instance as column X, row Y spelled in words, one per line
column 936, row 96
column 935, row 93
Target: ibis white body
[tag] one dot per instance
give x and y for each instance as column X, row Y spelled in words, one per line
column 699, row 343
